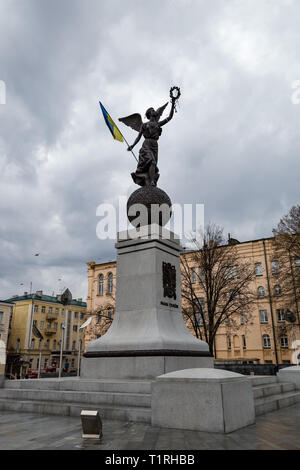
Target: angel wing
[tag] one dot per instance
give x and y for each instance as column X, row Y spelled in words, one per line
column 134, row 121
column 160, row 110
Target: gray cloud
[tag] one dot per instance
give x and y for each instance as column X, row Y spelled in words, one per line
column 233, row 145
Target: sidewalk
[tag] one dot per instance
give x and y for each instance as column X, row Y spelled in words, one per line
column 279, row 430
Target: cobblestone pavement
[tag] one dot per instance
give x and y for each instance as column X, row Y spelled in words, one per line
column 274, row 431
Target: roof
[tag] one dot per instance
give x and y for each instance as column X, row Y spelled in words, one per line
column 187, row 250
column 45, row 298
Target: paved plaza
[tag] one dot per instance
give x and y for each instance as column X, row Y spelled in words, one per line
column 279, row 430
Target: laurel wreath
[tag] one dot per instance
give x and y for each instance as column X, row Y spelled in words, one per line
column 177, row 95
column 174, row 95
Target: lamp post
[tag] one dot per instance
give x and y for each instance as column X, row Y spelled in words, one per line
column 291, row 318
column 61, row 348
column 40, row 359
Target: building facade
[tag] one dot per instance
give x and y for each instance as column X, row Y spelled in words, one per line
column 262, row 335
column 101, row 298
column 265, row 338
column 36, row 332
column 5, row 319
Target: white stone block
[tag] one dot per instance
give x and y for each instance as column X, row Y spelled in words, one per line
column 290, row 374
column 206, row 399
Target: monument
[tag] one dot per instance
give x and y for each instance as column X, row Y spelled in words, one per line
column 148, row 336
column 148, row 339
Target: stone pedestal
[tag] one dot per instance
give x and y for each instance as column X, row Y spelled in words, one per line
column 148, row 336
column 209, row 400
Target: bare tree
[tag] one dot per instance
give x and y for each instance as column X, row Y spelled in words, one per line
column 103, row 316
column 287, row 260
column 215, row 286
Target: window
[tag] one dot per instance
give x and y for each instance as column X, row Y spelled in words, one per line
column 36, row 309
column 81, row 316
column 1, row 318
column 280, row 315
column 73, row 345
column 277, row 290
column 284, row 342
column 48, row 344
column 258, row 269
column 40, row 344
column 199, row 318
column 75, row 314
column 229, row 342
column 99, row 317
column 261, row 292
column 55, row 325
column 18, row 345
column 110, row 283
column 109, row 312
column 57, row 310
column 201, row 274
column 50, row 310
column 266, row 342
column 43, row 310
column 75, row 328
column 275, row 267
column 297, row 262
column 54, row 345
column 194, row 276
column 244, row 341
column 101, row 283
column 242, row 318
column 230, row 272
column 263, row 316
column 41, row 325
column 48, row 325
column 32, row 343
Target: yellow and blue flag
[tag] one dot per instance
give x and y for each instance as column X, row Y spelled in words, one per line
column 111, row 125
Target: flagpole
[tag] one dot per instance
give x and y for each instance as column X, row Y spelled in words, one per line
column 129, row 146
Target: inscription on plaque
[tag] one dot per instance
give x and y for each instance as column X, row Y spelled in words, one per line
column 169, row 280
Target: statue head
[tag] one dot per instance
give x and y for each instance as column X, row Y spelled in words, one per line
column 150, row 113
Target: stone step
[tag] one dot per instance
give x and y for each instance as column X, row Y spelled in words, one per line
column 257, row 380
column 272, row 389
column 275, row 402
column 110, row 385
column 122, row 413
column 90, row 398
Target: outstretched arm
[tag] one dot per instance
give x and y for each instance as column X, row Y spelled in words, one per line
column 165, row 121
column 136, row 141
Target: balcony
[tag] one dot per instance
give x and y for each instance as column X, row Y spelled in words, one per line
column 50, row 331
column 51, row 316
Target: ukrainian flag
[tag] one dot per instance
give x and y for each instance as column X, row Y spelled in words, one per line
column 111, row 125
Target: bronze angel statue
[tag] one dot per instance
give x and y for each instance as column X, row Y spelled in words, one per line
column 147, row 172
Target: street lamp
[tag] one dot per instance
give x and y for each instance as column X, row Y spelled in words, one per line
column 61, row 348
column 291, row 318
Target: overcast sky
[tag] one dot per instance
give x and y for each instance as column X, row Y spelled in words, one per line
column 233, row 145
